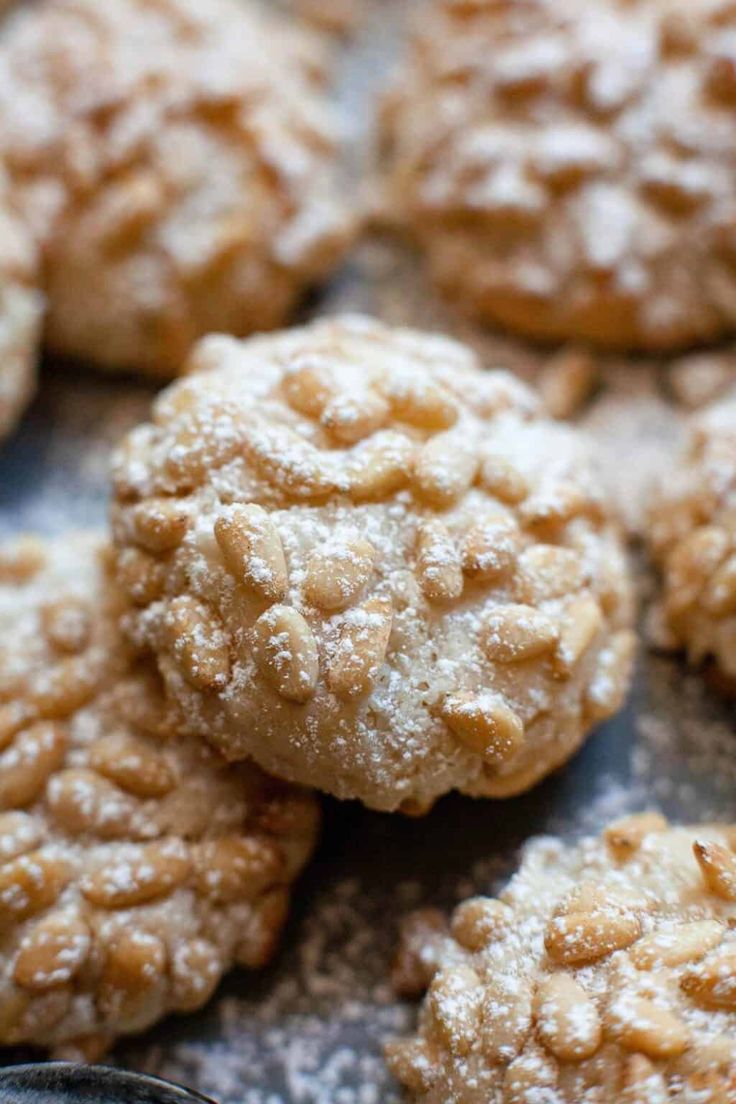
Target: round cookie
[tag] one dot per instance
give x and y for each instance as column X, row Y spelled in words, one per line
column 21, row 308
column 136, row 867
column 692, row 538
column 175, row 161
column 371, row 566
column 604, row 974
column 569, row 167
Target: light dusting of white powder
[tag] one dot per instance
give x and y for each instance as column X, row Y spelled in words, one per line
column 310, row 1031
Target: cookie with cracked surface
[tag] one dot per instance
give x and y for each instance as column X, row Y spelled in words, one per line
column 21, row 307
column 176, row 162
column 604, row 973
column 568, row 167
column 136, row 867
column 371, row 566
column 692, row 538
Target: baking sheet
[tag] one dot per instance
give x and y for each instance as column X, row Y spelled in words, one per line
column 309, row 1030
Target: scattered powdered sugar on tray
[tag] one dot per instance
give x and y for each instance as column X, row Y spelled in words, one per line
column 55, row 470
column 316, row 1037
column 310, row 1029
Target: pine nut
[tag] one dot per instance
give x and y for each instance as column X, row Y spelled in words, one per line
column 506, row 1015
column 234, row 868
column 718, row 867
column 361, row 648
column 582, row 621
column 134, row 966
column 67, row 625
column 624, row 837
column 445, row 468
column 582, row 937
column 142, row 872
column 335, row 578
column 545, row 571
column 198, row 643
column 133, row 765
column 567, row 1020
column 517, row 633
column 438, row 563
column 53, row 952
column 252, row 550
column 676, row 946
column 642, row 1026
column 27, row 764
column 455, row 1000
column 502, row 480
column 486, row 724
column 379, row 466
column 712, row 982
column 285, row 651
column 81, row 801
column 490, row 548
column 158, row 525
column 29, row 884
column 478, row 921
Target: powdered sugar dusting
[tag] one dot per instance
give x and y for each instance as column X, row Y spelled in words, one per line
column 309, row 1031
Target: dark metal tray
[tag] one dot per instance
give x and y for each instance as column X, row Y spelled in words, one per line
column 309, row 1029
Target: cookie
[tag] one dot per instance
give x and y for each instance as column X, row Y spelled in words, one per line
column 176, row 162
column 692, row 537
column 605, row 973
column 568, row 167
column 371, row 566
column 136, row 867
column 21, row 307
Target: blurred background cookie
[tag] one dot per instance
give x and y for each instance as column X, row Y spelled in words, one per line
column 372, row 566
column 21, row 307
column 136, row 867
column 605, row 971
column 692, row 536
column 568, row 168
column 176, row 164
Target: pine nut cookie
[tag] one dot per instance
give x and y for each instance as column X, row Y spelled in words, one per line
column 373, row 567
column 21, row 306
column 175, row 160
column 692, row 535
column 604, row 974
column 136, row 867
column 569, row 167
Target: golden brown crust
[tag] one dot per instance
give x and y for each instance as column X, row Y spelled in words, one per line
column 176, row 162
column 568, row 167
column 135, row 866
column 604, row 973
column 692, row 537
column 371, row 566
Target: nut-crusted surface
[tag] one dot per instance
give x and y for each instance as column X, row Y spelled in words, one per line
column 692, row 535
column 20, row 313
column 371, row 566
column 569, row 166
column 604, row 973
column 175, row 160
column 135, row 866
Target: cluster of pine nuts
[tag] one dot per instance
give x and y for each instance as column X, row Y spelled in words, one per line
column 606, row 966
column 692, row 534
column 135, row 866
column 176, row 164
column 351, row 533
column 568, row 168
